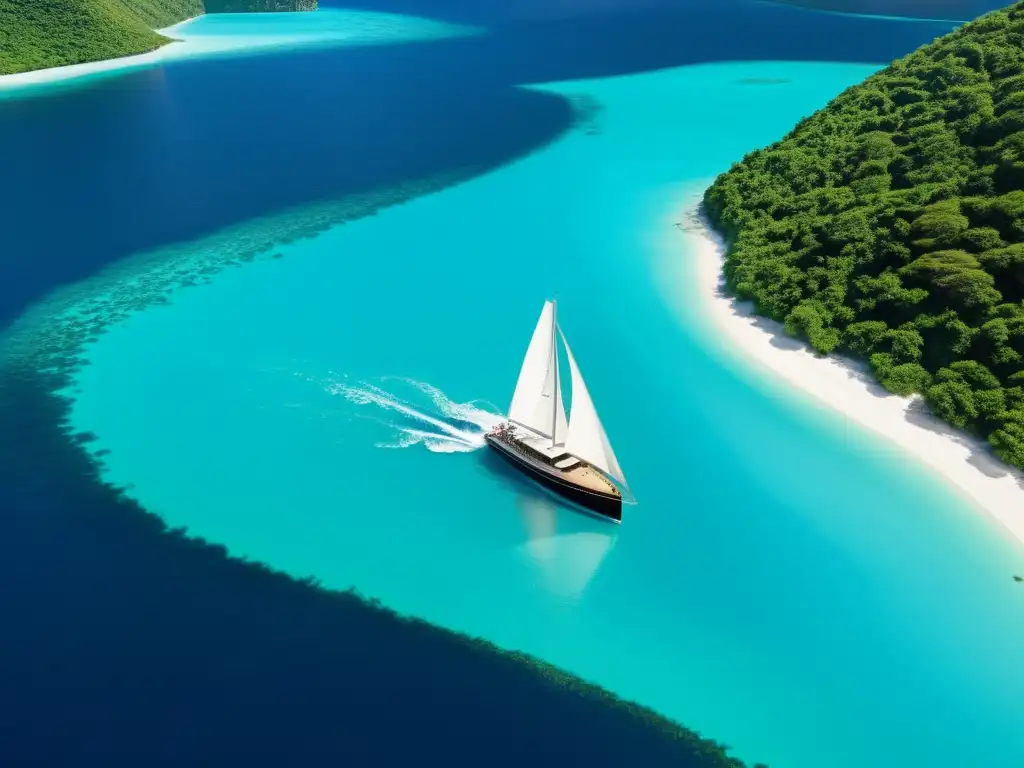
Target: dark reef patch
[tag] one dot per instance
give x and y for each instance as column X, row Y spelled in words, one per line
column 51, row 335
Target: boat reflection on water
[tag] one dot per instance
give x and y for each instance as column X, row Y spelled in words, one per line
column 566, row 560
column 564, row 549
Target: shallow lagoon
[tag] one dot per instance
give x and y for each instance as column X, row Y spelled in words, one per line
column 785, row 585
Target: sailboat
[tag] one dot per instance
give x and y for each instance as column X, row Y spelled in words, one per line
column 568, row 455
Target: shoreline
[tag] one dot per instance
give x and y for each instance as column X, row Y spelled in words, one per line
column 333, row 28
column 180, row 46
column 965, row 463
column 70, row 72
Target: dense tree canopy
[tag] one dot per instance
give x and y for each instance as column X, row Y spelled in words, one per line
column 35, row 34
column 891, row 225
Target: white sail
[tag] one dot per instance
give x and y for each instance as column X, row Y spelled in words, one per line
column 537, row 401
column 586, row 438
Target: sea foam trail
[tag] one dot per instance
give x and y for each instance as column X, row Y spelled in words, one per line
column 438, row 423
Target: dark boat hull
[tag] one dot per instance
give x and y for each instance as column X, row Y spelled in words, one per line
column 605, row 506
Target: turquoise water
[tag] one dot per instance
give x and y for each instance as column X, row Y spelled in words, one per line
column 330, row 26
column 785, row 585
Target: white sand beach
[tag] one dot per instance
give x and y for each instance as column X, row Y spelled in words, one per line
column 963, row 462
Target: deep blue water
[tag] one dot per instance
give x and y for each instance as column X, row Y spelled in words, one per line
column 165, row 155
column 125, row 645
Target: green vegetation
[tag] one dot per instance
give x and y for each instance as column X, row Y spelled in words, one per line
column 50, row 33
column 890, row 225
column 35, row 34
column 157, row 14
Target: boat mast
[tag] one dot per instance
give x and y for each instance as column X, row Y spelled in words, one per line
column 554, row 361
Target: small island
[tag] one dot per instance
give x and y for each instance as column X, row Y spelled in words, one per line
column 890, row 226
column 39, row 34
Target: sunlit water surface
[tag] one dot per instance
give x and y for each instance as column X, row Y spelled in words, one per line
column 785, row 584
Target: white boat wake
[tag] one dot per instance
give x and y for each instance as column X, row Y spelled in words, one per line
column 425, row 417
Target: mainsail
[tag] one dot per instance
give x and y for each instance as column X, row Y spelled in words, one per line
column 537, row 402
column 586, row 438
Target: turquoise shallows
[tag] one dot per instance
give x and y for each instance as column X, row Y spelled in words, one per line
column 787, row 584
column 328, row 26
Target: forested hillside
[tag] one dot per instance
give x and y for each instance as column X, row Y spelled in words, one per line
column 890, row 225
column 35, row 34
column 157, row 14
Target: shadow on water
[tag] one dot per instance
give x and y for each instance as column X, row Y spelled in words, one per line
column 565, row 546
column 126, row 644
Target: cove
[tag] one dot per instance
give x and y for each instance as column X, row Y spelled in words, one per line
column 791, row 588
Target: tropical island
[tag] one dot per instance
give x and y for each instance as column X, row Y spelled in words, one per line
column 889, row 226
column 38, row 34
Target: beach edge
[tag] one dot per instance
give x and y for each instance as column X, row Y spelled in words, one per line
column 964, row 463
column 70, row 72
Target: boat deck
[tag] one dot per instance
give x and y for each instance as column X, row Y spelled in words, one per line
column 586, row 476
column 582, row 474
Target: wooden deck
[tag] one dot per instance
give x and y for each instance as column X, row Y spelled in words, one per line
column 586, row 476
